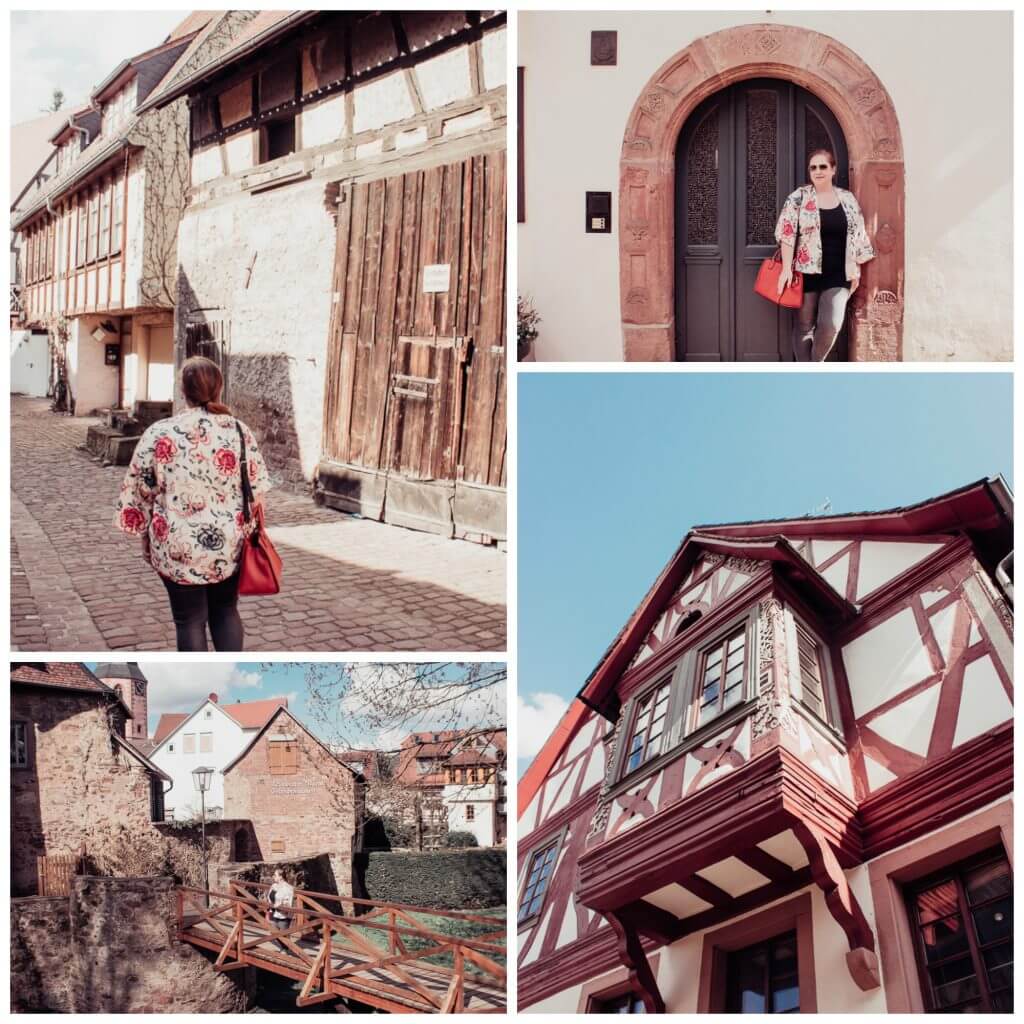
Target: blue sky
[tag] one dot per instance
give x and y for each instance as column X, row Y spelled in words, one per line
column 182, row 686
column 615, row 468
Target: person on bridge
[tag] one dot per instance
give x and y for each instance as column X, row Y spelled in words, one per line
column 281, row 896
column 182, row 495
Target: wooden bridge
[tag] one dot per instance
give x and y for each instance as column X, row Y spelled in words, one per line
column 375, row 953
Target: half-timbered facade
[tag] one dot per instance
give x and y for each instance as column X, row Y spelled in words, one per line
column 98, row 243
column 787, row 783
column 342, row 255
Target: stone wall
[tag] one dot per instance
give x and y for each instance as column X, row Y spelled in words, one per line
column 115, row 952
column 40, row 968
column 317, row 809
column 77, row 785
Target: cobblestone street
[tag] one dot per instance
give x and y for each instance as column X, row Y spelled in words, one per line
column 78, row 584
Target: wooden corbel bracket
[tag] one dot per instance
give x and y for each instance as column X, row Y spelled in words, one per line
column 633, row 958
column 861, row 960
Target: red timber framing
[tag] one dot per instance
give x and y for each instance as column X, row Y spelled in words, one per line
column 682, row 830
column 378, row 954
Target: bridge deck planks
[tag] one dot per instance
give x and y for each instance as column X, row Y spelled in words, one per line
column 376, row 986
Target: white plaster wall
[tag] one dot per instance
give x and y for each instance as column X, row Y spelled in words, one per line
column 229, row 740
column 382, row 101
column 949, row 76
column 445, row 78
column 93, row 383
column 324, row 121
column 136, row 220
column 238, row 152
column 493, row 59
column 30, row 363
column 283, row 310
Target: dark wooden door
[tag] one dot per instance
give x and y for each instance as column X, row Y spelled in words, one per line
column 414, row 415
column 738, row 156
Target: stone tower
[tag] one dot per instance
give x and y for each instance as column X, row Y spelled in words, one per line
column 128, row 680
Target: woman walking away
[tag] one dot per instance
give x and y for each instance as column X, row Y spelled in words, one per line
column 822, row 224
column 183, row 495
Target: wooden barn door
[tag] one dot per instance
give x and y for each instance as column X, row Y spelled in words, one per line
column 414, row 417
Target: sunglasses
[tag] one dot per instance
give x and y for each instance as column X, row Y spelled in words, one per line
column 821, row 167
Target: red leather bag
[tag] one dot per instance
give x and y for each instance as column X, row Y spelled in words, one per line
column 259, row 569
column 767, row 283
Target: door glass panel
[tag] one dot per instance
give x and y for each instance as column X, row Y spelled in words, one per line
column 816, row 136
column 702, row 174
column 762, row 165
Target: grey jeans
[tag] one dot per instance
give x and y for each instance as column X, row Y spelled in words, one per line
column 818, row 323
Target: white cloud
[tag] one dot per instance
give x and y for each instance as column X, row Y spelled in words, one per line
column 537, row 714
column 74, row 51
column 180, row 687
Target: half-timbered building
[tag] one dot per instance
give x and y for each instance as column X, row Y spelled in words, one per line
column 787, row 784
column 342, row 255
column 98, row 242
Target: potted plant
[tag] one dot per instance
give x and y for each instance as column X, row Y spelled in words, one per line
column 528, row 319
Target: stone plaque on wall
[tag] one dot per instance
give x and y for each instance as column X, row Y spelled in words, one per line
column 604, row 49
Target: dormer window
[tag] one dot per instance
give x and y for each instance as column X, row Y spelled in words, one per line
column 721, row 675
column 649, row 726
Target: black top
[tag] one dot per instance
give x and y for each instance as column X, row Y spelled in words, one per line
column 833, row 252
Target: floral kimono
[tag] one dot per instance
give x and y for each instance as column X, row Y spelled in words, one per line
column 183, row 489
column 800, row 224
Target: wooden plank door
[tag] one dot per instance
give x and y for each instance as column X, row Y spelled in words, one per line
column 415, row 398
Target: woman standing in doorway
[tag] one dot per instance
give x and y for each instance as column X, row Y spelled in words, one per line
column 183, row 495
column 822, row 235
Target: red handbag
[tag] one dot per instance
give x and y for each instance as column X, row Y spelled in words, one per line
column 767, row 283
column 259, row 569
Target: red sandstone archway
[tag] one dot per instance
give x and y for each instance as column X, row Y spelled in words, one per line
column 647, row 170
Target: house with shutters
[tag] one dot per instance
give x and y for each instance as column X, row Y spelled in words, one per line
column 98, row 242
column 297, row 796
column 211, row 736
column 342, row 254
column 75, row 775
column 787, row 783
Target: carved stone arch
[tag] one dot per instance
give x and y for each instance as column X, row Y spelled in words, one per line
column 861, row 104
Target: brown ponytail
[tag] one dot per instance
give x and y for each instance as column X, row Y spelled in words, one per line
column 202, row 384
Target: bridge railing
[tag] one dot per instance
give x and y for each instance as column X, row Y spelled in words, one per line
column 385, row 938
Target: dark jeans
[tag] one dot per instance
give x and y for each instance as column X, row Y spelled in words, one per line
column 193, row 606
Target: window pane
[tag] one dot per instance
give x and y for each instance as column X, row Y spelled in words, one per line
column 986, row 882
column 993, row 921
column 999, row 962
column 954, row 982
column 939, row 901
column 1002, row 1002
column 714, row 657
column 733, row 676
column 944, row 938
column 732, row 696
column 736, row 641
column 786, row 996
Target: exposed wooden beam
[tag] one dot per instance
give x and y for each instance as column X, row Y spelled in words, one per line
column 764, row 863
column 633, row 958
column 660, row 925
column 707, row 891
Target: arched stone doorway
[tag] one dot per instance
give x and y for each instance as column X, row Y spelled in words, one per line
column 647, row 174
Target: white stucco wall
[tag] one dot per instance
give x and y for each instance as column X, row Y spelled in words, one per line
column 30, row 363
column 281, row 312
column 135, row 216
column 229, row 740
column 949, row 77
column 481, row 798
column 93, row 383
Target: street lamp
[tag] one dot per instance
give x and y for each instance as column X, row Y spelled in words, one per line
column 201, row 778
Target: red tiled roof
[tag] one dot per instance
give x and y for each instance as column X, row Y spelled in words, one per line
column 167, row 724
column 66, row 675
column 254, row 714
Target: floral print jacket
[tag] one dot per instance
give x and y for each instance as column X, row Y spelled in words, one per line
column 800, row 217
column 184, row 489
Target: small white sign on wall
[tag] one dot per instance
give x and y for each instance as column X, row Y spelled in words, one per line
column 437, row 277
